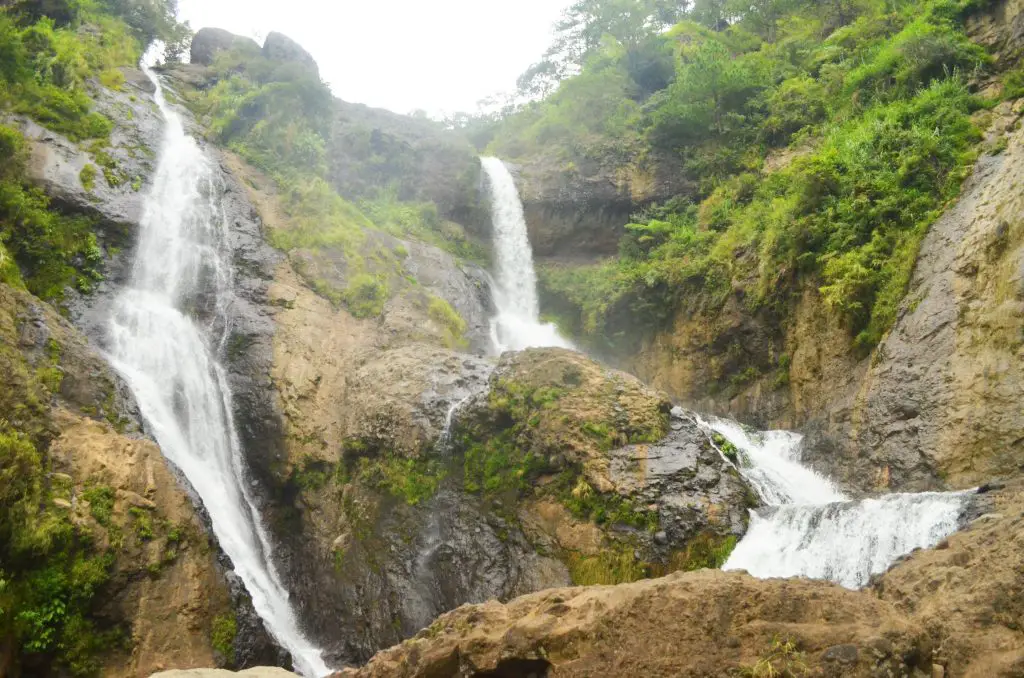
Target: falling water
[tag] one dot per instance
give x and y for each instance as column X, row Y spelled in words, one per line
column 517, row 324
column 812, row 529
column 169, row 358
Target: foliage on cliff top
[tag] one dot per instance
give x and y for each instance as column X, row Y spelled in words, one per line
column 282, row 118
column 869, row 96
column 52, row 53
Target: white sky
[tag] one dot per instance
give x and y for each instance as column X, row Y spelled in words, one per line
column 438, row 55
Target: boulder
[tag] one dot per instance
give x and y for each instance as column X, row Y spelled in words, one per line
column 208, row 42
column 279, row 47
column 709, row 623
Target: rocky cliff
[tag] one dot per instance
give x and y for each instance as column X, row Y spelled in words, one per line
column 921, row 618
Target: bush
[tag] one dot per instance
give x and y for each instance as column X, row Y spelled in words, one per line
column 452, row 324
column 366, row 295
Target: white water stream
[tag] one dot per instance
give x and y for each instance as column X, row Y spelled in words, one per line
column 812, row 529
column 170, row 361
column 517, row 325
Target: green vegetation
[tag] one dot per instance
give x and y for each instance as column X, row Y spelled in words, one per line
column 52, row 569
column 705, row 551
column 40, row 248
column 421, row 221
column 223, row 632
column 411, row 480
column 452, row 324
column 586, row 503
column 781, row 659
column 867, row 100
column 88, row 177
column 366, row 295
column 613, row 566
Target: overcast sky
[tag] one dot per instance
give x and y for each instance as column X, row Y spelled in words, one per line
column 438, row 55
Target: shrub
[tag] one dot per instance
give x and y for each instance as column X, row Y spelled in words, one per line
column 366, row 295
column 452, row 324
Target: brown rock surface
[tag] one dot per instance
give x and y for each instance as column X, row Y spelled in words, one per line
column 704, row 624
column 968, row 593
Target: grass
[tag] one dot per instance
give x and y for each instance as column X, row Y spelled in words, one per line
column 616, row 565
column 452, row 325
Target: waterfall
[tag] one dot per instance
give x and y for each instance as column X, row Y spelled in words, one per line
column 812, row 529
column 517, row 324
column 169, row 358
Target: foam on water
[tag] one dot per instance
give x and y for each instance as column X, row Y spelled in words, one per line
column 812, row 529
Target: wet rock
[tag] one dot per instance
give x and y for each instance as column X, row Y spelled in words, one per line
column 686, row 479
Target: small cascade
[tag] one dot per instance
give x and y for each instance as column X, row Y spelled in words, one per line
column 811, row 529
column 444, row 441
column 169, row 357
column 517, row 325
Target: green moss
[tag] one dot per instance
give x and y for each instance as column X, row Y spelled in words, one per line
column 366, row 295
column 143, row 523
column 705, row 551
column 607, row 509
column 616, row 565
column 452, row 324
column 411, row 480
column 88, row 177
column 223, row 632
column 101, row 503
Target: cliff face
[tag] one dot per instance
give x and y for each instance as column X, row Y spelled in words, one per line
column 929, row 615
column 932, row 405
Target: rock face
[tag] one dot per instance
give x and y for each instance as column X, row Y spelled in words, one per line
column 208, row 42
column 968, row 593
column 583, row 209
column 165, row 586
column 935, row 405
column 279, row 47
column 951, row 611
column 940, row 396
column 696, row 624
column 258, row 672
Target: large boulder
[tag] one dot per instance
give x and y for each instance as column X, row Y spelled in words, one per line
column 279, row 47
column 209, row 42
column 710, row 624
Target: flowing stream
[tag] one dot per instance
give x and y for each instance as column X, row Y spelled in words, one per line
column 170, row 359
column 517, row 325
column 811, row 529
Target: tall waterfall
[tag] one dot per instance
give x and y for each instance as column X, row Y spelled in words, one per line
column 812, row 529
column 517, row 324
column 170, row 361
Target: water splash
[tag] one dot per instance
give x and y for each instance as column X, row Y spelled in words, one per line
column 812, row 529
column 517, row 325
column 169, row 358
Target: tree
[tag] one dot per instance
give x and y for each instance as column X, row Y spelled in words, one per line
column 582, row 28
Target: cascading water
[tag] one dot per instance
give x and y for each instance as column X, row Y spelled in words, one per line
column 812, row 529
column 170, row 361
column 517, row 325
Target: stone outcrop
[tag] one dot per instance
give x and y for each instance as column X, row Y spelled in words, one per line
column 208, row 42
column 935, row 404
column 582, row 209
column 279, row 47
column 696, row 624
column 165, row 586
